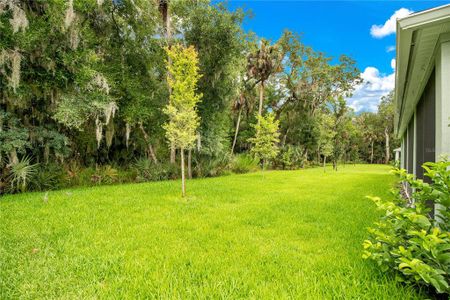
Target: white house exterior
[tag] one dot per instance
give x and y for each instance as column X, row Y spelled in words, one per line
column 422, row 87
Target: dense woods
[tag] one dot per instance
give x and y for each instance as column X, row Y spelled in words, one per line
column 85, row 92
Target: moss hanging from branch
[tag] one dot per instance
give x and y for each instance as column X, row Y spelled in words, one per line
column 19, row 19
column 127, row 133
column 70, row 15
column 110, row 111
column 98, row 131
column 109, row 134
column 11, row 59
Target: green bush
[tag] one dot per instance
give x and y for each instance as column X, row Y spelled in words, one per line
column 210, row 166
column 48, row 177
column 18, row 175
column 244, row 163
column 148, row 171
column 407, row 238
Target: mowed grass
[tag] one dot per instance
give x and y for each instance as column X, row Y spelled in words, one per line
column 284, row 234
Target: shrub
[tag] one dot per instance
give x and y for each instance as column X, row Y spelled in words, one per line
column 19, row 175
column 148, row 171
column 211, row 166
column 48, row 177
column 244, row 163
column 104, row 175
column 407, row 239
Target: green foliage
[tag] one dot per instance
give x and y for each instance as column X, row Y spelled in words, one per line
column 48, row 177
column 181, row 110
column 149, row 171
column 243, row 163
column 208, row 166
column 104, row 175
column 266, row 139
column 20, row 174
column 406, row 239
column 84, row 83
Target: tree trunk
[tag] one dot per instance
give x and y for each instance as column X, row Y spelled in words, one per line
column 183, row 179
column 388, row 150
column 371, row 152
column 284, row 138
column 172, row 154
column 190, row 163
column 164, row 10
column 151, row 152
column 318, row 155
column 13, row 159
column 236, row 131
column 261, row 98
column 324, row 163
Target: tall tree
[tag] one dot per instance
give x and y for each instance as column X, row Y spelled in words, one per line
column 386, row 112
column 266, row 61
column 181, row 110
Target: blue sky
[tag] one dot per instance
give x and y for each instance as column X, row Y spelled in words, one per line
column 340, row 27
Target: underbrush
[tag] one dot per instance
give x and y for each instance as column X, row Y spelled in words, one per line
column 412, row 239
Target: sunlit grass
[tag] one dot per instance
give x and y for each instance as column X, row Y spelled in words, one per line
column 287, row 234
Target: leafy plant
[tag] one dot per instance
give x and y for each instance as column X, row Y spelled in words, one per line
column 149, row 171
column 20, row 174
column 105, row 174
column 407, row 238
column 243, row 163
column 48, row 177
column 266, row 138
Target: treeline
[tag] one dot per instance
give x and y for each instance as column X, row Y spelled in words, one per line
column 83, row 86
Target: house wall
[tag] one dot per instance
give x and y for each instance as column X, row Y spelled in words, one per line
column 443, row 98
column 425, row 127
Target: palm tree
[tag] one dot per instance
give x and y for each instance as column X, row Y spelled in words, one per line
column 262, row 64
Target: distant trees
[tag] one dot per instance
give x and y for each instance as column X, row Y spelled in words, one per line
column 386, row 112
column 182, row 112
column 84, row 83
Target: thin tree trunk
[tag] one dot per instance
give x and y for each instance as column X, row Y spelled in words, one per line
column 324, row 163
column 164, row 10
column 236, row 131
column 388, row 150
column 13, row 159
column 172, row 154
column 151, row 152
column 183, row 179
column 285, row 137
column 371, row 152
column 261, row 98
column 189, row 163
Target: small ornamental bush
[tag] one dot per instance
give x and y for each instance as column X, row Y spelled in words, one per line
column 407, row 238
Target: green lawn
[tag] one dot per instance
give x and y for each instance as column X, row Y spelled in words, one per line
column 286, row 234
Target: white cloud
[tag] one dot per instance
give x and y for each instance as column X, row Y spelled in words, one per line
column 368, row 94
column 389, row 27
column 390, row 48
column 393, row 63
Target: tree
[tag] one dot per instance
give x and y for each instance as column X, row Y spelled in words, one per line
column 266, row 61
column 339, row 115
column 181, row 109
column 326, row 138
column 266, row 139
column 217, row 35
column 386, row 112
column 368, row 124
